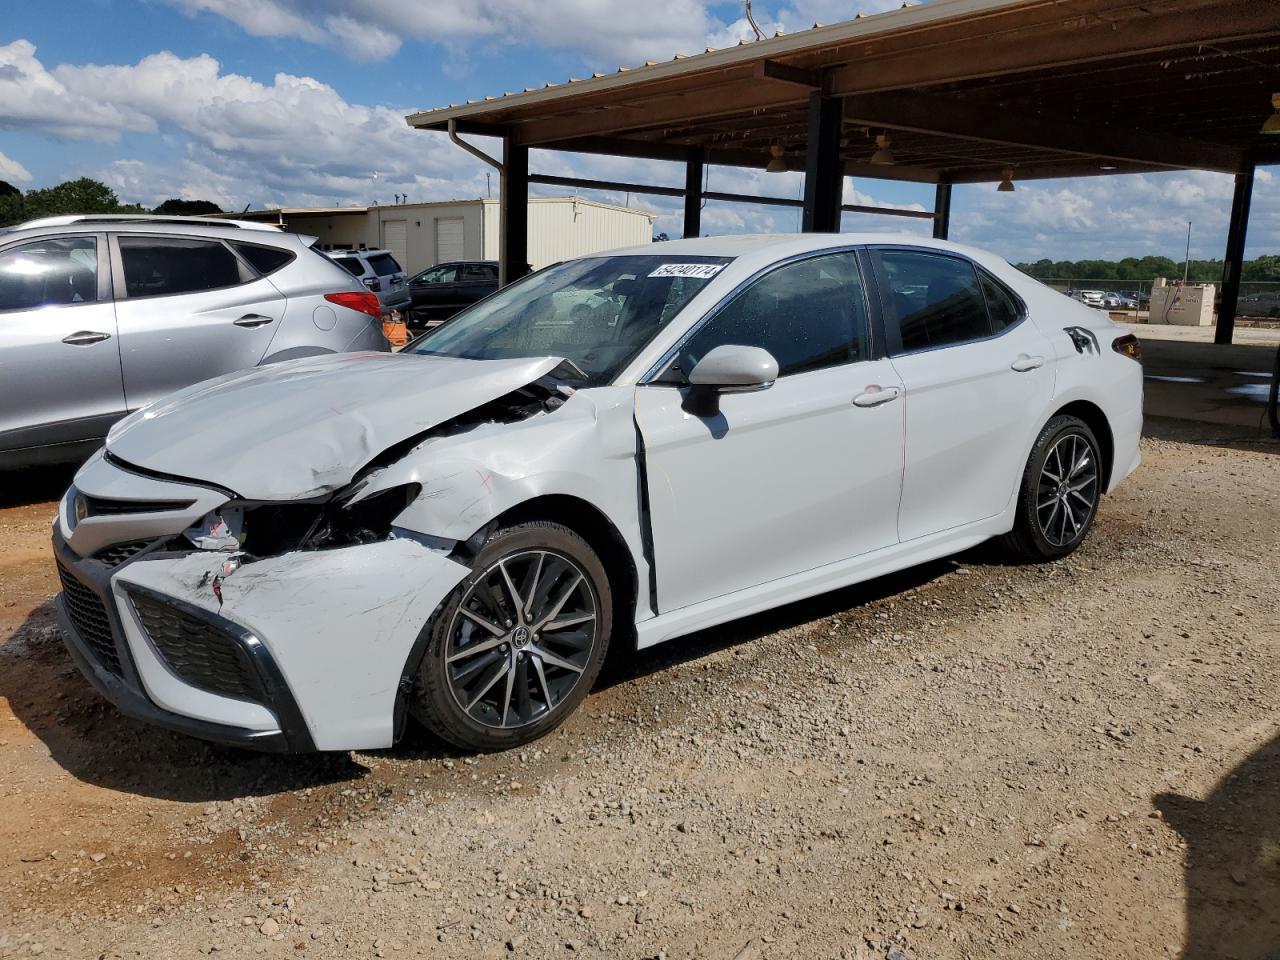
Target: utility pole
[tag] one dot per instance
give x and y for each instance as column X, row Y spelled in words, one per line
column 1186, row 264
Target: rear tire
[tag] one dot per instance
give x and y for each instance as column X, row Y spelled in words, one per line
column 519, row 643
column 1058, row 497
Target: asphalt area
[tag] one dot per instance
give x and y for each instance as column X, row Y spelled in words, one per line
column 1080, row 759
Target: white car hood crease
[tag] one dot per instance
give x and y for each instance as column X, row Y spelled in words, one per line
column 299, row 429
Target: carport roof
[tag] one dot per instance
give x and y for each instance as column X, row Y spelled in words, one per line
column 966, row 89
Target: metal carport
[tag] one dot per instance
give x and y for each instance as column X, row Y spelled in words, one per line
column 967, row 91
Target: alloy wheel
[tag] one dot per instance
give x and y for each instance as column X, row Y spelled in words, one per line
column 1067, row 493
column 521, row 638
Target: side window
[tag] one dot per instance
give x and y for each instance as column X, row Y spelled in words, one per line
column 478, row 271
column 935, row 299
column 384, row 264
column 809, row 315
column 352, row 265
column 445, row 274
column 1002, row 304
column 263, row 259
column 53, row 272
column 163, row 266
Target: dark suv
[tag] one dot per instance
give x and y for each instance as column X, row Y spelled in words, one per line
column 447, row 288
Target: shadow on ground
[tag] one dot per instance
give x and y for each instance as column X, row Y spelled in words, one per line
column 95, row 743
column 1233, row 861
column 20, row 488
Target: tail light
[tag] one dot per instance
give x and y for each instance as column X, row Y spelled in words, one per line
column 1128, row 346
column 364, row 302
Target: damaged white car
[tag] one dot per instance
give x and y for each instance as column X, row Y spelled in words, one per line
column 624, row 449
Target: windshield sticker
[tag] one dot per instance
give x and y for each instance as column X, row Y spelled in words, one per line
column 698, row 271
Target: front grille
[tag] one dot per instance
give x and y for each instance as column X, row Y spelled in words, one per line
column 89, row 617
column 118, row 553
column 101, row 506
column 198, row 651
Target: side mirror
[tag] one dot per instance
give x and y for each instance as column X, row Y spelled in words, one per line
column 729, row 368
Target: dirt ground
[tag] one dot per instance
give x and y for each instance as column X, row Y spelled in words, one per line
column 970, row 760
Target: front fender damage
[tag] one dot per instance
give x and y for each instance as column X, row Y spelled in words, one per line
column 339, row 623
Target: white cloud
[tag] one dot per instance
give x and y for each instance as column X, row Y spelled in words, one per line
column 11, row 171
column 32, row 98
column 293, row 140
column 1117, row 216
column 608, row 32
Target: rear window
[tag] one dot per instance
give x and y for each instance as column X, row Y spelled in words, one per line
column 263, row 259
column 350, row 264
column 384, row 264
column 160, row 266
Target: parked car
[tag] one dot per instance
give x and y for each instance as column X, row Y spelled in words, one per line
column 1118, row 301
column 100, row 315
column 624, row 448
column 379, row 271
column 1090, row 298
column 441, row 291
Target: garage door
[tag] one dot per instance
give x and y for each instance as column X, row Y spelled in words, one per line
column 395, row 237
column 449, row 239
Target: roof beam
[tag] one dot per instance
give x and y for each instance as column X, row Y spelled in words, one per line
column 977, row 49
column 695, row 106
column 773, row 70
column 964, row 120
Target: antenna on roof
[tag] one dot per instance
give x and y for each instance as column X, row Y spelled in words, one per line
column 752, row 20
column 246, row 207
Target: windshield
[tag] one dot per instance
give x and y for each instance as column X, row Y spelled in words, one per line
column 596, row 312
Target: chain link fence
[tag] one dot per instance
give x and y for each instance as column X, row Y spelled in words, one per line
column 1258, row 299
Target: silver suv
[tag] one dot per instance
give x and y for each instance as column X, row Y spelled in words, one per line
column 101, row 315
column 380, row 272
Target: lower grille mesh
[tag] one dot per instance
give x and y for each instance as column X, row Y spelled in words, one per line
column 89, row 617
column 117, row 554
column 198, row 652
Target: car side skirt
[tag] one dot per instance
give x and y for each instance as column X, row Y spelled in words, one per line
column 810, row 583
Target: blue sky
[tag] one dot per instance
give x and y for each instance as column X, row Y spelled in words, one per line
column 295, row 102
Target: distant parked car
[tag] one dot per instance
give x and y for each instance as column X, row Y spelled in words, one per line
column 380, row 272
column 1091, row 298
column 1119, row 301
column 102, row 315
column 447, row 288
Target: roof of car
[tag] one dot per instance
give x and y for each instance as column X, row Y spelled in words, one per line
column 141, row 220
column 783, row 244
column 374, row 252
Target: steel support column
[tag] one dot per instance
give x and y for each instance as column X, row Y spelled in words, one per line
column 1236, row 229
column 513, row 213
column 942, row 211
column 693, row 170
column 823, row 170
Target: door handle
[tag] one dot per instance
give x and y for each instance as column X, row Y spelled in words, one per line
column 253, row 320
column 1023, row 363
column 874, row 395
column 82, row 338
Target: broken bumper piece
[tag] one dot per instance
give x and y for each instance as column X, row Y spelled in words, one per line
column 303, row 651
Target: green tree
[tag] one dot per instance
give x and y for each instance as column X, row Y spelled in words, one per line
column 187, row 208
column 84, row 195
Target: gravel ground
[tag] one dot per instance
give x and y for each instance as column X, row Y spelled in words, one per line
column 968, row 760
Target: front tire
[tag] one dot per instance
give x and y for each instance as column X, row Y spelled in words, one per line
column 519, row 643
column 1058, row 498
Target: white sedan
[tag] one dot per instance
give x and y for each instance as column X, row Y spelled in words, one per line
column 624, row 448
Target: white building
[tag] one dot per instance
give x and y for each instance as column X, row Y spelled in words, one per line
column 423, row 234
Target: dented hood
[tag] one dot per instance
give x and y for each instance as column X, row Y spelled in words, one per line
column 299, row 429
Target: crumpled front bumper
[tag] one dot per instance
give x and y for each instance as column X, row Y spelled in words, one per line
column 320, row 640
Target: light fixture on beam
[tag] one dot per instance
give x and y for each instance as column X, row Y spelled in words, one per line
column 1272, row 124
column 1006, row 183
column 883, row 157
column 776, row 163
